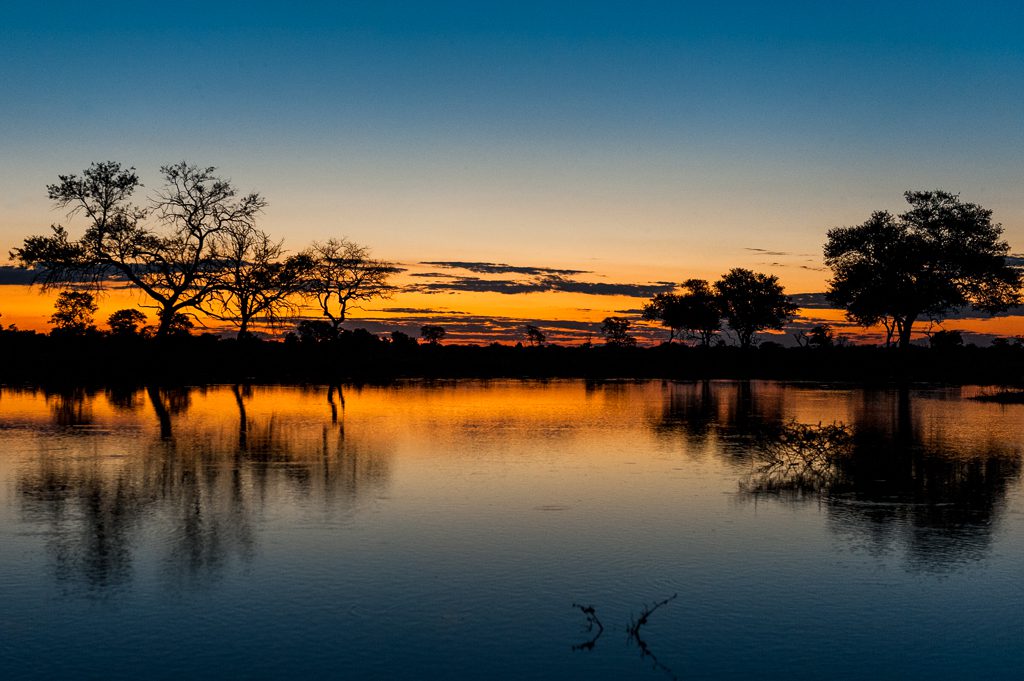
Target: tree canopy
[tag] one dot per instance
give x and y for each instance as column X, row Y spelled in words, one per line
column 74, row 312
column 696, row 313
column 752, row 302
column 340, row 274
column 940, row 255
column 167, row 250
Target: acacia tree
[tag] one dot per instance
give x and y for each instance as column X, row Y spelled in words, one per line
column 74, row 312
column 339, row 274
column 939, row 255
column 534, row 336
column 752, row 302
column 616, row 332
column 126, row 322
column 433, row 334
column 695, row 313
column 255, row 282
column 173, row 267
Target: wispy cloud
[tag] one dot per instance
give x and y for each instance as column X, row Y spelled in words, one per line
column 501, row 268
column 16, row 275
column 813, row 301
column 538, row 285
column 533, row 279
column 418, row 311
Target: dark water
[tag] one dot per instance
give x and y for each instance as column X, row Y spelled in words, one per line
column 445, row 531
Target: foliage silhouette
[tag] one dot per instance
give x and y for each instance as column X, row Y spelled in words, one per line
column 174, row 267
column 432, row 334
column 752, row 302
column 696, row 313
column 126, row 323
column 939, row 255
column 819, row 336
column 616, row 332
column 339, row 274
column 945, row 340
column 534, row 336
column 255, row 283
column 74, row 313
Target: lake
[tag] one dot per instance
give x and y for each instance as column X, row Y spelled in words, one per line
column 506, row 529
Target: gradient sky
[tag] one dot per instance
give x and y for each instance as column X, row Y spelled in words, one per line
column 643, row 141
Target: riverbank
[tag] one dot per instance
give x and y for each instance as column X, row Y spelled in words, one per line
column 35, row 358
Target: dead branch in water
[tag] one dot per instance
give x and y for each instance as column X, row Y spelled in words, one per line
column 633, row 632
column 800, row 457
column 592, row 621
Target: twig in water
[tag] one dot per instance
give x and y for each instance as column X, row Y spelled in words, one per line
column 592, row 621
column 633, row 632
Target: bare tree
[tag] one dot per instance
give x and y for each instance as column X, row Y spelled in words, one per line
column 256, row 282
column 172, row 267
column 340, row 274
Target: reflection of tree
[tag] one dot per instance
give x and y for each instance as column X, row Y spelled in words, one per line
column 735, row 412
column 70, row 407
column 901, row 487
column 798, row 458
column 895, row 484
column 198, row 495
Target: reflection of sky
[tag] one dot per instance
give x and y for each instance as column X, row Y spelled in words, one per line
column 653, row 140
column 450, row 526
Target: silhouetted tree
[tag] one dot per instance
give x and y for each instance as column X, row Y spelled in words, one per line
column 173, row 267
column 74, row 312
column 126, row 322
column 665, row 309
column 752, row 302
column 534, row 336
column 944, row 340
column 340, row 274
column 616, row 332
column 316, row 331
column 256, row 282
column 939, row 255
column 697, row 312
column 180, row 324
column 432, row 334
column 819, row 336
column 400, row 339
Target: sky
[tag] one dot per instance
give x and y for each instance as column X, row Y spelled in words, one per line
column 636, row 142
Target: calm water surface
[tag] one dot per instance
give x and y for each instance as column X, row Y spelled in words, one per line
column 446, row 530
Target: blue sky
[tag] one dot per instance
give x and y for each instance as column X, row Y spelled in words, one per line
column 669, row 136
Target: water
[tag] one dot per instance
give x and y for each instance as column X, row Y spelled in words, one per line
column 446, row 530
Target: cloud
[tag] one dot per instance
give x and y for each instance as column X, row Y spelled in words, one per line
column 418, row 310
column 765, row 251
column 813, row 301
column 15, row 275
column 501, row 268
column 542, row 284
column 533, row 280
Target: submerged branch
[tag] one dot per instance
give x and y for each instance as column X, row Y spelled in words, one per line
column 633, row 632
column 592, row 621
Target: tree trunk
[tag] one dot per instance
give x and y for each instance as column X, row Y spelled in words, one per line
column 166, row 318
column 905, row 328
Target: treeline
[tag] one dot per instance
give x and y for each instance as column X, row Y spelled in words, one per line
column 362, row 356
column 193, row 250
